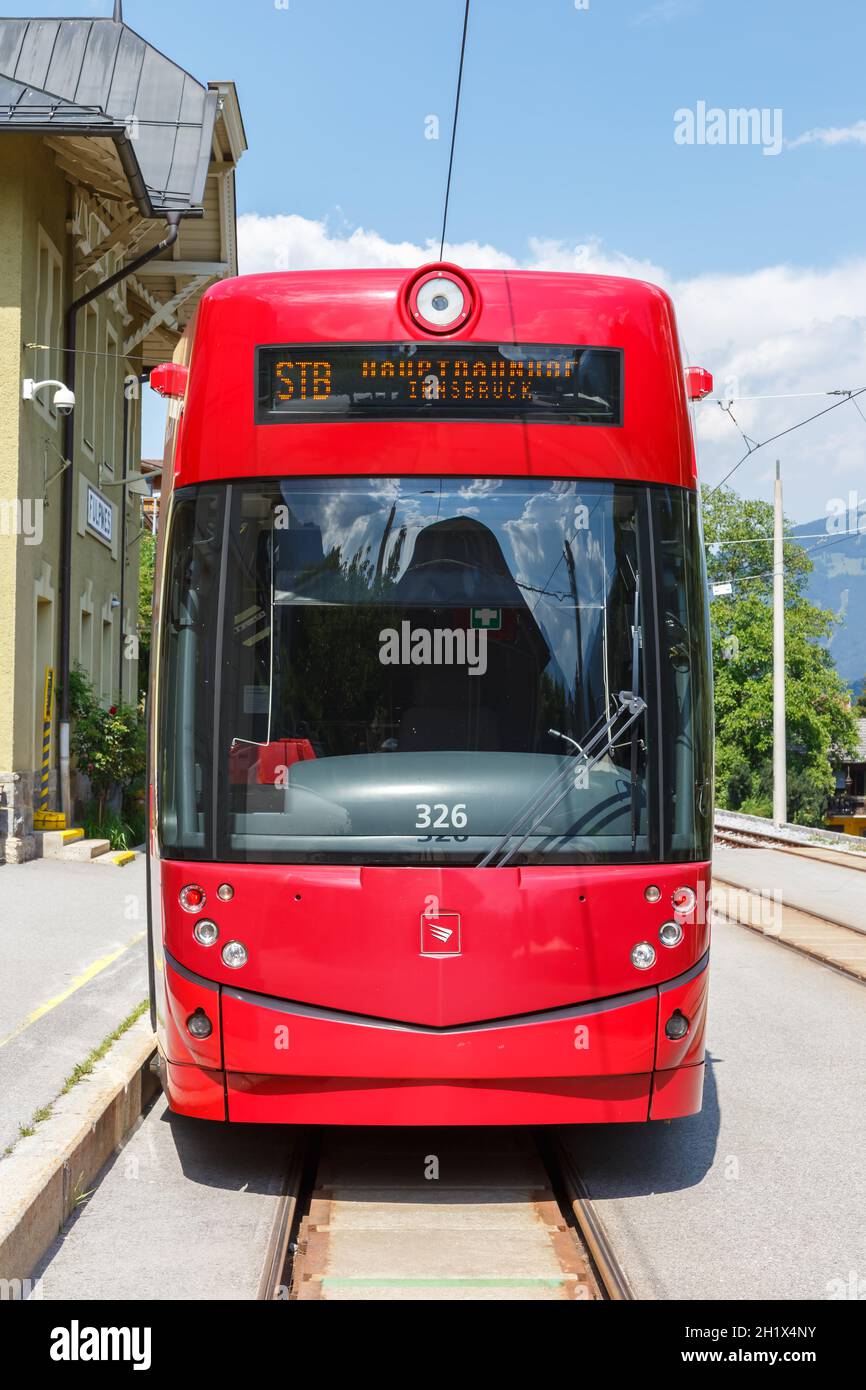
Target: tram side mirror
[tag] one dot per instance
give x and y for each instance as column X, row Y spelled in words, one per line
column 699, row 383
column 169, row 380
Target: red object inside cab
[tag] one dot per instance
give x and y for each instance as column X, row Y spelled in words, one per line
column 169, row 379
column 261, row 762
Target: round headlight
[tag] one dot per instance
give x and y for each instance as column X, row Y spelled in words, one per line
column 234, row 954
column 439, row 299
column 440, row 302
column 225, row 892
column 643, row 955
column 205, row 932
column 684, row 900
column 192, row 898
column 670, row 933
column 652, row 893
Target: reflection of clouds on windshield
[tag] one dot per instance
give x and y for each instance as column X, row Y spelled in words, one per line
column 563, row 513
column 538, row 537
column 480, row 487
column 353, row 517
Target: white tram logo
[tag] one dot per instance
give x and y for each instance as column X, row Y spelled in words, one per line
column 440, row 934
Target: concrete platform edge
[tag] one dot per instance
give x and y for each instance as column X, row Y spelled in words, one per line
column 44, row 1178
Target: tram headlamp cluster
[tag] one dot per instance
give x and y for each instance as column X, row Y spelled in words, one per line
column 677, row 1026
column 643, row 955
column 684, row 900
column 440, row 302
column 440, row 299
column 205, row 932
column 670, row 933
column 234, row 955
column 199, row 1025
column 192, row 898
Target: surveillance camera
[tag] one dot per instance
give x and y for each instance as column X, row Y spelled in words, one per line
column 64, row 401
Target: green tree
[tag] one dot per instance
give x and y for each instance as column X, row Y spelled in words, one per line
column 820, row 724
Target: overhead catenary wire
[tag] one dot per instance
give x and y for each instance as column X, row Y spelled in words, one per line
column 454, row 130
column 788, row 540
column 752, row 447
column 725, row 401
column 757, row 540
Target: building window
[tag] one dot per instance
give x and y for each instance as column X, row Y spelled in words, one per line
column 85, row 647
column 88, row 378
column 49, row 320
column 107, row 664
column 111, row 402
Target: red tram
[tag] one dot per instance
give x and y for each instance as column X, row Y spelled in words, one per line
column 431, row 738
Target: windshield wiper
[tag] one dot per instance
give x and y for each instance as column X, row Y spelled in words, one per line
column 629, row 709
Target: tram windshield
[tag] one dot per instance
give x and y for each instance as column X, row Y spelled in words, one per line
column 433, row 670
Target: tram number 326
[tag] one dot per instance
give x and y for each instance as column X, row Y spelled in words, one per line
column 441, row 817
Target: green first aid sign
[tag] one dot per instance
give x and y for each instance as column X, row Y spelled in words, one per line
column 490, row 619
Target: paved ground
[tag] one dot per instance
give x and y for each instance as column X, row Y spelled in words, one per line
column 184, row 1212
column 72, row 947
column 827, row 890
column 763, row 1195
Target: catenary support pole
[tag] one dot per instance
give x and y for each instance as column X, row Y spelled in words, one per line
column 780, row 787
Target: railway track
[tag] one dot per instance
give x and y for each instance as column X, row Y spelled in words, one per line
column 758, row 837
column 411, row 1215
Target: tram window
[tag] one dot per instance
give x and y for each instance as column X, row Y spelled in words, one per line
column 686, row 676
column 396, row 644
column 185, row 719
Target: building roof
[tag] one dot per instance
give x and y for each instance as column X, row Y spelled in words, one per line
column 97, row 76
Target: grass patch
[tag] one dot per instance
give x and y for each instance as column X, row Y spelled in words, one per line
column 24, row 1131
column 78, row 1073
column 86, row 1067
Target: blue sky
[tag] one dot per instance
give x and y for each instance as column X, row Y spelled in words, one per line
column 566, row 156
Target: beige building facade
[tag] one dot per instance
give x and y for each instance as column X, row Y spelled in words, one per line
column 81, row 201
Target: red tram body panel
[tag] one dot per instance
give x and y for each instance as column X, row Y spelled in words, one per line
column 430, row 786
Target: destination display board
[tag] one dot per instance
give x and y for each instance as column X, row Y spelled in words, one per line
column 456, row 381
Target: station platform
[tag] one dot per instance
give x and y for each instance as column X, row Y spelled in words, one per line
column 74, row 967
column 189, row 1204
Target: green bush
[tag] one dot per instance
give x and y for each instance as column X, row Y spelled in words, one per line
column 109, row 745
column 120, row 833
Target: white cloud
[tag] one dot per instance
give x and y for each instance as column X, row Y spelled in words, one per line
column 290, row 242
column 831, row 135
column 775, row 331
